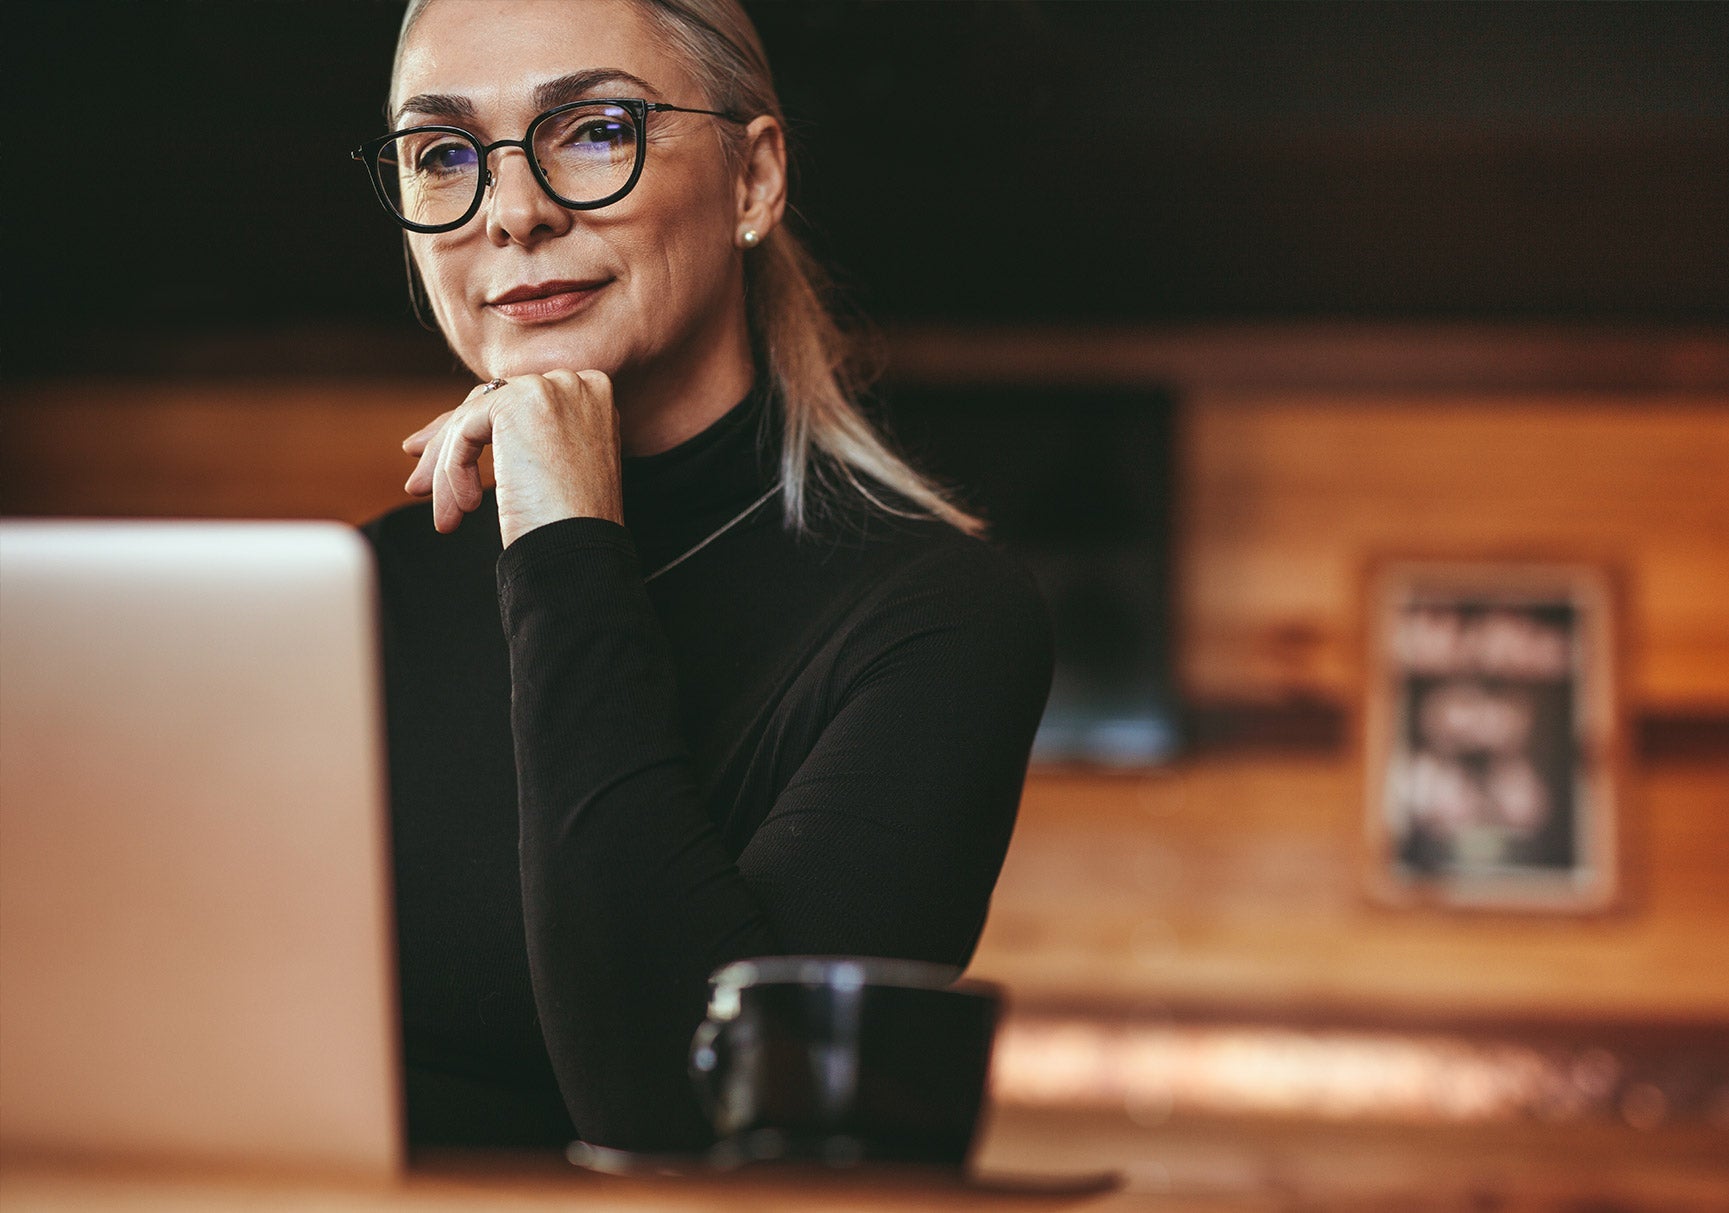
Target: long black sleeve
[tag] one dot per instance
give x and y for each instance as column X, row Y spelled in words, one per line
column 886, row 840
column 786, row 744
column 627, row 891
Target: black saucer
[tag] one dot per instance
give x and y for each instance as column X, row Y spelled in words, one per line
column 766, row 1155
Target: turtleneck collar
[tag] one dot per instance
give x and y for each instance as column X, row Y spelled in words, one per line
column 675, row 497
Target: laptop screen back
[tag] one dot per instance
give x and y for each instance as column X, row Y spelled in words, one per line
column 195, row 946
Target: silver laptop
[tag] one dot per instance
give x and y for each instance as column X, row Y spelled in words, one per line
column 195, row 945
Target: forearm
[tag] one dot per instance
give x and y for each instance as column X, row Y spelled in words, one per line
column 629, row 897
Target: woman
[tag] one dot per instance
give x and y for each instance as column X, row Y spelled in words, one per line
column 712, row 674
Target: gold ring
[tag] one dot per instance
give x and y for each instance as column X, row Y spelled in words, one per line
column 492, row 386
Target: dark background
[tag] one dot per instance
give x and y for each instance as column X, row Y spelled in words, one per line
column 179, row 170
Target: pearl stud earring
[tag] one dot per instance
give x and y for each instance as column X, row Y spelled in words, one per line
column 749, row 237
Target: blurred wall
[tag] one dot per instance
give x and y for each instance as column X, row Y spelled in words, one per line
column 1236, row 877
column 1441, row 279
column 1239, row 878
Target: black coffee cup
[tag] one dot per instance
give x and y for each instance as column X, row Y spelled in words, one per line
column 842, row 1060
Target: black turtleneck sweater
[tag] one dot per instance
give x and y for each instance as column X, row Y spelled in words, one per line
column 604, row 788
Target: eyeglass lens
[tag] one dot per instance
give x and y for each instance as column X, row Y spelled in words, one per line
column 586, row 154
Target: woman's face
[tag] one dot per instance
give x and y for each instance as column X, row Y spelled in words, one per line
column 647, row 285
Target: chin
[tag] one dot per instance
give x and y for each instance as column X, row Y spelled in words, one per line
column 538, row 356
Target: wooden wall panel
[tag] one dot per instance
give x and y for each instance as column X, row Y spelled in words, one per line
column 1232, row 878
column 225, row 448
column 1289, row 497
column 1237, row 883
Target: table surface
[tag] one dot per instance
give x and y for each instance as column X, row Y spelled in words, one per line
column 1176, row 1167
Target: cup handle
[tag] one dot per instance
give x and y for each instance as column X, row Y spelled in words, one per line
column 708, row 1063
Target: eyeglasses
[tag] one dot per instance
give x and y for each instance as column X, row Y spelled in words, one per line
column 586, row 155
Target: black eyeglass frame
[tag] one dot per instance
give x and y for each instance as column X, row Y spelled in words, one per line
column 637, row 107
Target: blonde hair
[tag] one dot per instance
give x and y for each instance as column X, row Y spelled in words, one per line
column 815, row 369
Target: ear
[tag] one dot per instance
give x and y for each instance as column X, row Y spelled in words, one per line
column 761, row 192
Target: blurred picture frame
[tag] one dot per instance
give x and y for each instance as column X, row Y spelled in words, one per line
column 1492, row 736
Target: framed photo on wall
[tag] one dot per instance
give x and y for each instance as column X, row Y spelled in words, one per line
column 1492, row 736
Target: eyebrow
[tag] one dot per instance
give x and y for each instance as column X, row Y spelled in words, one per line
column 434, row 105
column 552, row 93
column 579, row 84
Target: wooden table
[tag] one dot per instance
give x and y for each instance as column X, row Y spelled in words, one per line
column 1216, row 1167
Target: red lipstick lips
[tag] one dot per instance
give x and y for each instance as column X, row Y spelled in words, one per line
column 544, row 302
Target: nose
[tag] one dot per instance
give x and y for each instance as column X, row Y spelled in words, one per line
column 517, row 210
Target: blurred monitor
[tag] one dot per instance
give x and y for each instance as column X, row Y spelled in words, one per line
column 1077, row 482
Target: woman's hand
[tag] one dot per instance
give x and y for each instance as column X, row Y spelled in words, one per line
column 555, row 453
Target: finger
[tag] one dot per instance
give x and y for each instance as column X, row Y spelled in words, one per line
column 419, row 482
column 595, row 385
column 457, row 486
column 417, row 441
column 427, row 443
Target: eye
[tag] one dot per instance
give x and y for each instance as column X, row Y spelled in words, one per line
column 605, row 133
column 601, row 133
column 446, row 157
